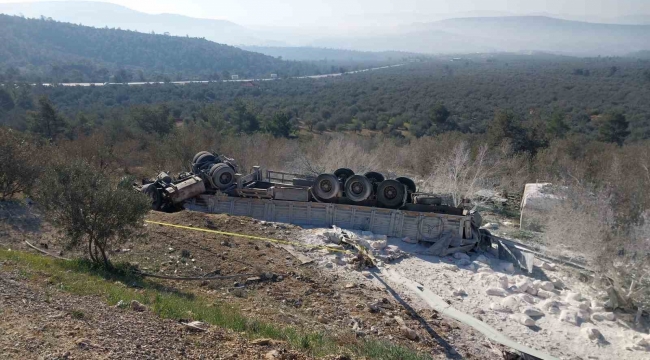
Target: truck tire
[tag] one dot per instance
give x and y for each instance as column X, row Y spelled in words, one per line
column 326, row 187
column 410, row 184
column 203, row 162
column 374, row 176
column 222, row 176
column 198, row 154
column 390, row 193
column 343, row 174
column 358, row 188
column 155, row 196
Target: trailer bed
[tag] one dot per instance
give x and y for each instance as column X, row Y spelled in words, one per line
column 420, row 226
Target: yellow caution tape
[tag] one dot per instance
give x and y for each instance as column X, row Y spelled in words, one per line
column 251, row 237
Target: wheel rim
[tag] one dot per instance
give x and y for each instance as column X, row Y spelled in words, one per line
column 357, row 187
column 326, row 185
column 225, row 178
column 390, row 192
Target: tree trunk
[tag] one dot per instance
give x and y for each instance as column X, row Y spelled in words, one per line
column 107, row 263
column 90, row 250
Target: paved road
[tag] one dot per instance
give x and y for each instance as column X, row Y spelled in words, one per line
column 209, row 81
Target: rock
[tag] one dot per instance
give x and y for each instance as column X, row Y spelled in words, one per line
column 537, row 284
column 573, row 296
column 83, row 343
column 459, row 292
column 643, row 343
column 498, row 307
column 262, row 342
column 533, row 311
column 554, row 310
column 597, row 317
column 496, row 292
column 379, row 244
column 463, row 262
column 483, row 259
column 137, row 306
column 609, row 316
column 460, row 256
column 531, row 290
column 527, row 298
column 334, row 246
column 485, row 270
column 558, row 283
column 547, row 304
column 273, row 354
column 569, row 317
column 548, row 266
column 333, row 237
column 350, row 285
column 408, row 240
column 595, row 304
column 544, row 294
column 367, row 274
column 522, row 286
column 547, row 285
column 592, row 333
column 523, row 319
column 373, row 307
column 511, row 303
column 321, row 319
column 409, row 333
column 503, row 282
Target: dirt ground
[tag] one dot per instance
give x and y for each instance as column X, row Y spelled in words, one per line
column 302, row 295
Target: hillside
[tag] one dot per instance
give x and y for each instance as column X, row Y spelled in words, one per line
column 306, row 53
column 46, row 50
column 513, row 33
column 100, row 14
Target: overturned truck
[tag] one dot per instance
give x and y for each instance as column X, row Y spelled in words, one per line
column 367, row 202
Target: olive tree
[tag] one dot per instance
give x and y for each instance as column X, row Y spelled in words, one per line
column 89, row 208
column 19, row 167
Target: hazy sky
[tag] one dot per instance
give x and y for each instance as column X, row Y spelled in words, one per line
column 319, row 12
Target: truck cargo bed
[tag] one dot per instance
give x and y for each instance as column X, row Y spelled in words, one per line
column 421, row 226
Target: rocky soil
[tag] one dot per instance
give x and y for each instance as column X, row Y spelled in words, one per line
column 311, row 296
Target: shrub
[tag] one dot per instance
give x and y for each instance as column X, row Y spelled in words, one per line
column 83, row 203
column 19, row 166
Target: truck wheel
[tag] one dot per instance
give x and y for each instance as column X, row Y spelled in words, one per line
column 203, row 161
column 198, row 154
column 326, row 186
column 358, row 188
column 410, row 184
column 343, row 174
column 390, row 193
column 155, row 196
column 375, row 177
column 221, row 176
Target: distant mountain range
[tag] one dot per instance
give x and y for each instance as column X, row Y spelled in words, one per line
column 472, row 33
column 306, row 53
column 511, row 34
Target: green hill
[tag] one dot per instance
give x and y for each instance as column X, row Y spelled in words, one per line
column 47, row 50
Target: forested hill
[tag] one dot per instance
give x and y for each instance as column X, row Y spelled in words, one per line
column 47, row 50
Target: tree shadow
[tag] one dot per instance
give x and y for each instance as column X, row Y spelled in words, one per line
column 19, row 216
column 124, row 273
column 450, row 351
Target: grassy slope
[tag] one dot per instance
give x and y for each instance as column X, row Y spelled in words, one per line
column 82, row 278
